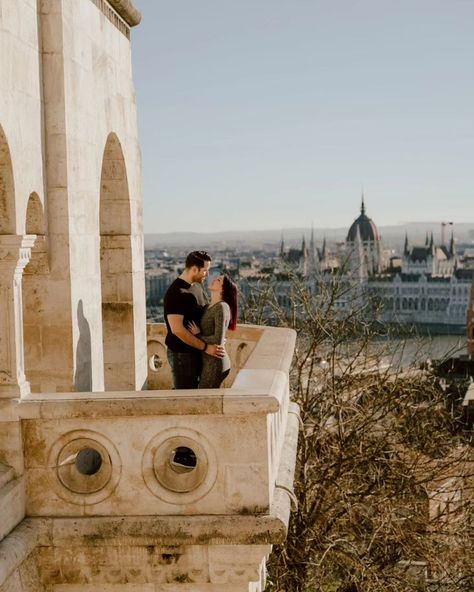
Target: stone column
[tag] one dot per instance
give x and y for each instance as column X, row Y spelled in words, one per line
column 15, row 251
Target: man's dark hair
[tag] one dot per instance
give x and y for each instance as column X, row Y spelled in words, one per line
column 197, row 258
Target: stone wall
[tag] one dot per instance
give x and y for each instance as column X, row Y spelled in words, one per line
column 21, row 148
column 69, row 176
column 105, row 486
column 137, row 515
column 96, row 178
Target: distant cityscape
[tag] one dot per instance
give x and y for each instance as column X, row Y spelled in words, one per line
column 424, row 281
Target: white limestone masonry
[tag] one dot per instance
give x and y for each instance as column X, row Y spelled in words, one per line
column 109, row 479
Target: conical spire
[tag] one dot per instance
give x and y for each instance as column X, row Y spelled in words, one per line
column 313, row 253
column 303, row 246
column 323, row 248
column 362, row 205
column 405, row 248
column 432, row 247
column 452, row 246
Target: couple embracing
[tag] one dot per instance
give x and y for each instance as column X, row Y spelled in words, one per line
column 196, row 327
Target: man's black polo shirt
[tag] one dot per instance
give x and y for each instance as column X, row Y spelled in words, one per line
column 181, row 301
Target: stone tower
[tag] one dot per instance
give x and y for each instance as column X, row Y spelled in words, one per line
column 363, row 244
column 109, row 480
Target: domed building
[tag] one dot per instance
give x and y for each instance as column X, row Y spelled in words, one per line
column 364, row 245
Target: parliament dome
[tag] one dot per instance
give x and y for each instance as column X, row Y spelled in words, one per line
column 366, row 227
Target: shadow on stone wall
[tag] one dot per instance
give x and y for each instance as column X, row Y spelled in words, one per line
column 83, row 374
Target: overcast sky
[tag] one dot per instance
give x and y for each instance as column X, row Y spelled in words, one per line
column 273, row 113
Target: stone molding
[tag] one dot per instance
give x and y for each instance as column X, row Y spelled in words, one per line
column 232, row 553
column 121, row 13
column 17, row 546
column 215, row 564
column 127, row 11
column 151, row 403
column 15, row 252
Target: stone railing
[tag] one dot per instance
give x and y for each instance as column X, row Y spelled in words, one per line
column 260, row 363
column 209, row 471
column 240, row 344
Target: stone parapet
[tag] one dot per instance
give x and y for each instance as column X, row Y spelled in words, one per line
column 233, row 438
column 250, row 347
column 166, row 490
column 156, row 553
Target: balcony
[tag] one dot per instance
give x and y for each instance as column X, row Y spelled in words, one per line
column 183, row 489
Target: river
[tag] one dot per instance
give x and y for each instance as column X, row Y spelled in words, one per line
column 403, row 352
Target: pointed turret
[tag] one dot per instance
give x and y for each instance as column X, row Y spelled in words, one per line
column 452, row 246
column 311, row 240
column 406, row 252
column 282, row 247
column 303, row 264
column 313, row 256
column 362, row 205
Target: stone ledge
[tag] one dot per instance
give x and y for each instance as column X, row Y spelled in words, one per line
column 127, row 11
column 171, row 531
column 254, row 391
column 17, row 546
column 274, row 350
column 161, row 531
column 158, row 403
column 6, row 474
column 12, row 505
column 284, row 499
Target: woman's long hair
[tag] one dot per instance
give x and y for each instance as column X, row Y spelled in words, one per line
column 229, row 295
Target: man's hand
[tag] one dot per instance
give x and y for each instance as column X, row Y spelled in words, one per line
column 217, row 351
column 193, row 328
column 177, row 328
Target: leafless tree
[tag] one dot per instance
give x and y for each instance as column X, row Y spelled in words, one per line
column 384, row 477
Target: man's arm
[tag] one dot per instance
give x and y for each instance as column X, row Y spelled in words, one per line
column 179, row 330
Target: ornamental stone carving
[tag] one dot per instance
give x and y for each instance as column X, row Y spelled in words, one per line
column 15, row 251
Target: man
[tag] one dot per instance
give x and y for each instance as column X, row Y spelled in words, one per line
column 181, row 306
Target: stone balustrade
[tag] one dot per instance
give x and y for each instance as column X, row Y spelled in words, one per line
column 204, row 475
column 239, row 343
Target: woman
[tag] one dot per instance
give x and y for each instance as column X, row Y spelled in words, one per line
column 219, row 315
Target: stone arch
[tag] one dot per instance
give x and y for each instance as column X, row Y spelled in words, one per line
column 35, row 216
column 7, row 188
column 35, row 291
column 116, row 270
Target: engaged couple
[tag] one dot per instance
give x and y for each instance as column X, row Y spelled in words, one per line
column 196, row 326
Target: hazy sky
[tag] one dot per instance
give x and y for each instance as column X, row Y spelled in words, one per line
column 272, row 113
